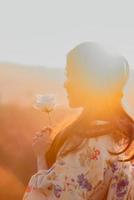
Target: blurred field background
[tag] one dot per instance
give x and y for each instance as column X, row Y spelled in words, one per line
column 19, row 120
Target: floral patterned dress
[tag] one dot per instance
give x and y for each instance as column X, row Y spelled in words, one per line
column 91, row 173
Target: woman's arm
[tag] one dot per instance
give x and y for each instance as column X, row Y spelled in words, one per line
column 41, row 143
column 41, row 162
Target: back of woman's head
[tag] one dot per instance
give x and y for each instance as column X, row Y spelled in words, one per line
column 100, row 73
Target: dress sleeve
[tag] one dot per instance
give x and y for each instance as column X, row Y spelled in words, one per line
column 75, row 176
column 53, row 183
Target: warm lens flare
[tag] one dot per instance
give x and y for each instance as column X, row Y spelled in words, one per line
column 88, row 84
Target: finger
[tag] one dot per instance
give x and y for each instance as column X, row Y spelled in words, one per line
column 38, row 138
column 44, row 132
column 35, row 137
column 47, row 129
column 42, row 140
column 33, row 144
column 38, row 134
column 35, row 140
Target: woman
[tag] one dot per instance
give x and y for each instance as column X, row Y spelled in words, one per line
column 88, row 160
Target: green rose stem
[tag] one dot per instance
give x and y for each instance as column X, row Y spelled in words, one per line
column 50, row 121
column 48, row 111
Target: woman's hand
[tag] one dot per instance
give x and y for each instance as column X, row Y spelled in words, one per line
column 42, row 141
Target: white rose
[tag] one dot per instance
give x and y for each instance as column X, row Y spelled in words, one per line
column 45, row 103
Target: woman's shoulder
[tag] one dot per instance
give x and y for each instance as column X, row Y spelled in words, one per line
column 100, row 143
column 104, row 139
column 114, row 141
column 103, row 142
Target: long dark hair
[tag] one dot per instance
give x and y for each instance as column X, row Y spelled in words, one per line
column 120, row 126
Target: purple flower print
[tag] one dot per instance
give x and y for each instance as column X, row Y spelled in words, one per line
column 72, row 179
column 122, row 187
column 57, row 191
column 114, row 167
column 115, row 177
column 83, row 182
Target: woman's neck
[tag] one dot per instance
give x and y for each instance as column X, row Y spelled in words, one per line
column 99, row 114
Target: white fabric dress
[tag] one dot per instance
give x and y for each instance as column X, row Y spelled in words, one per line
column 91, row 173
